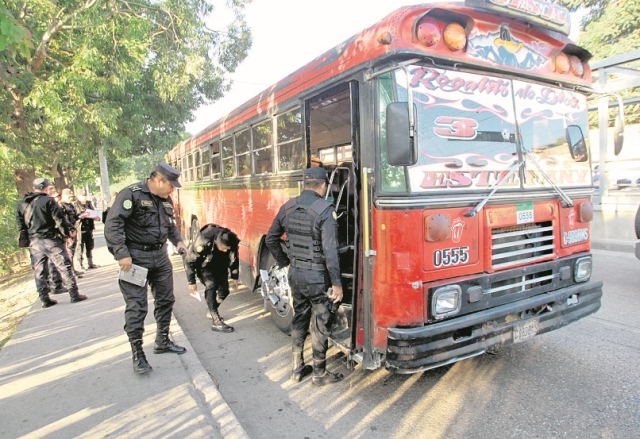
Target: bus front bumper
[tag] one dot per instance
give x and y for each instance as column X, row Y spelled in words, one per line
column 411, row 350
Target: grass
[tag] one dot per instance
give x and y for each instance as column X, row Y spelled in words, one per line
column 17, row 294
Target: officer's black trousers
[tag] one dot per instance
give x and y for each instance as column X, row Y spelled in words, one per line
column 160, row 279
column 54, row 250
column 55, row 279
column 216, row 284
column 71, row 248
column 312, row 307
column 86, row 244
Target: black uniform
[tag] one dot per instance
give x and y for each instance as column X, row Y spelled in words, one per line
column 47, row 227
column 213, row 267
column 87, row 226
column 138, row 226
column 72, row 215
column 313, row 266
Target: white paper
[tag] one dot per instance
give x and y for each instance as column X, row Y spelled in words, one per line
column 136, row 275
column 196, row 296
column 88, row 213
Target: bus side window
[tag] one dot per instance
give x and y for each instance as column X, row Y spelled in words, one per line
column 215, row 160
column 206, row 162
column 263, row 147
column 227, row 157
column 289, row 137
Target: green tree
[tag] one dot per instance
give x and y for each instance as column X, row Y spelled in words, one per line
column 610, row 27
column 79, row 74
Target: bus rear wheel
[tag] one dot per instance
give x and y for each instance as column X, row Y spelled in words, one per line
column 195, row 228
column 281, row 312
column 637, row 223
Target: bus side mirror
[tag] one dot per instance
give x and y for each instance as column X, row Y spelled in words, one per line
column 577, row 146
column 402, row 148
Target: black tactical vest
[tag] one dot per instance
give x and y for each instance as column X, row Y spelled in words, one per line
column 303, row 241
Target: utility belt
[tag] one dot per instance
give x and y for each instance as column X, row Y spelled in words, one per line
column 307, row 265
column 144, row 247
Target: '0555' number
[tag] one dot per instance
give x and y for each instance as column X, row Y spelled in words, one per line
column 450, row 256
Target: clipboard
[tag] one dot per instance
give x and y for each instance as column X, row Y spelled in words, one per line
column 136, row 275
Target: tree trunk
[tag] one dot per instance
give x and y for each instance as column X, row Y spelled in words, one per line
column 24, row 181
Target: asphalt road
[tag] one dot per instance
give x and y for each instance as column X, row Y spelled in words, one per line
column 582, row 381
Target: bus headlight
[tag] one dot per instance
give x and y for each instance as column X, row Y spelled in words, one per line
column 582, row 270
column 446, row 301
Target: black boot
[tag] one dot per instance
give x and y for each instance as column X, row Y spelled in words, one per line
column 140, row 364
column 48, row 302
column 299, row 370
column 218, row 324
column 321, row 376
column 91, row 264
column 78, row 298
column 164, row 345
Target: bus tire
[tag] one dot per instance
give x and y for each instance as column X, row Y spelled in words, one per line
column 282, row 316
column 637, row 223
column 195, row 228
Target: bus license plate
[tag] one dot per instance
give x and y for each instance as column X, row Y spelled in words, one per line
column 525, row 331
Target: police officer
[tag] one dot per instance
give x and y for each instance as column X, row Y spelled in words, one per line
column 87, row 226
column 38, row 213
column 213, row 257
column 138, row 225
column 313, row 266
column 67, row 200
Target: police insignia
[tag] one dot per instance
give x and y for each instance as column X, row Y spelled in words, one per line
column 127, row 204
column 147, row 203
column 199, row 248
column 334, row 215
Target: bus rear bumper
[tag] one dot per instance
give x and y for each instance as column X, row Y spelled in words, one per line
column 411, row 350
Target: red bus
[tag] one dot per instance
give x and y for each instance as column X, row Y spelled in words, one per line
column 455, row 136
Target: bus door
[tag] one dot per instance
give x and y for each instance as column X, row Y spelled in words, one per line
column 333, row 140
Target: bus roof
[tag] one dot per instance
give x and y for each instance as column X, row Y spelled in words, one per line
column 521, row 38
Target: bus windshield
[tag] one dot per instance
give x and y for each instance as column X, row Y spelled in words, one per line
column 471, row 128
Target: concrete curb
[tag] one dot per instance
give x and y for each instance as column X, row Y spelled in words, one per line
column 225, row 420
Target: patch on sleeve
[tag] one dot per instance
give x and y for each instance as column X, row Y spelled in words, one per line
column 127, row 204
column 334, row 215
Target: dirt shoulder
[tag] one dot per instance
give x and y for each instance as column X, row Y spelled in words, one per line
column 17, row 294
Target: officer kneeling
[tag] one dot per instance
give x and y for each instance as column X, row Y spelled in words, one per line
column 313, row 265
column 137, row 227
column 213, row 257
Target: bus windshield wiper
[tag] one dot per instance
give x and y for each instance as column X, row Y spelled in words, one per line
column 565, row 197
column 513, row 167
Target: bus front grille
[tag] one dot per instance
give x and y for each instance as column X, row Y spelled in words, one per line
column 525, row 243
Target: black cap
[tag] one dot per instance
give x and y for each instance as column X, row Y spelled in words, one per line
column 168, row 173
column 315, row 173
column 41, row 183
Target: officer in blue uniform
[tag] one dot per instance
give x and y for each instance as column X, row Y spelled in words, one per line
column 313, row 266
column 137, row 228
column 213, row 257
